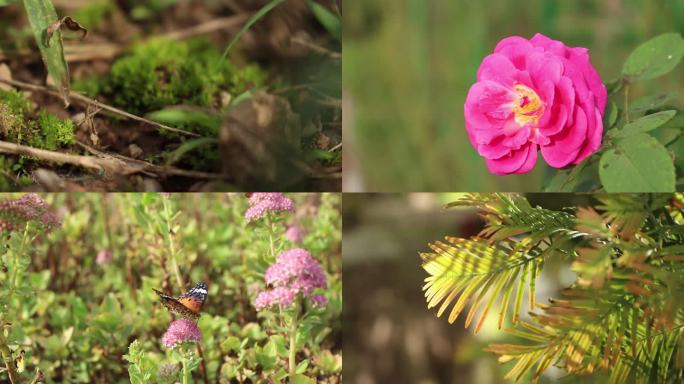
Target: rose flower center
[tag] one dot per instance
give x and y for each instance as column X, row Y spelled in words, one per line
column 527, row 106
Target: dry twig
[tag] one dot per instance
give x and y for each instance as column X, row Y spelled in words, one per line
column 88, row 101
column 103, row 162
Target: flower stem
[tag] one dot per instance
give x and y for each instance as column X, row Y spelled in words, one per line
column 15, row 273
column 186, row 371
column 7, row 358
column 293, row 341
column 172, row 245
column 627, row 102
column 270, row 235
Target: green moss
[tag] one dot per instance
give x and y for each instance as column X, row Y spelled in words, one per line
column 14, row 111
column 91, row 15
column 55, row 131
column 17, row 125
column 163, row 73
column 15, row 101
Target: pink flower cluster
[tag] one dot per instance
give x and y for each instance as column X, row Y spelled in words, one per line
column 181, row 331
column 294, row 234
column 294, row 272
column 260, row 203
column 531, row 95
column 14, row 214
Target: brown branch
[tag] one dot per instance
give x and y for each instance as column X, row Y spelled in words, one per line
column 39, row 377
column 57, row 157
column 107, row 51
column 120, row 165
column 149, row 167
column 88, row 101
column 316, row 48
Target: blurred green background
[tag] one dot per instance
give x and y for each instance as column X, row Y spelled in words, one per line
column 408, row 65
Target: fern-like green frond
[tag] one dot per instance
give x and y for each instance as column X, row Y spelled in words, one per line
column 467, row 271
column 510, row 214
column 624, row 312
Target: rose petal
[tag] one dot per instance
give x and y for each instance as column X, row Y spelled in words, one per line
column 510, row 163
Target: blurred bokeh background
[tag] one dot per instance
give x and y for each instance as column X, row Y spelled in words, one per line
column 408, row 65
column 389, row 334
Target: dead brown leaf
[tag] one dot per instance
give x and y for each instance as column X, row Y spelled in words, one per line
column 67, row 21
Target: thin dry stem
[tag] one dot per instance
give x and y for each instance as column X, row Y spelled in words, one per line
column 116, row 164
column 88, row 101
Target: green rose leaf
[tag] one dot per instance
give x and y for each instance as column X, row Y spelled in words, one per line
column 6, row 2
column 610, row 116
column 639, row 163
column 654, row 58
column 649, row 103
column 645, row 124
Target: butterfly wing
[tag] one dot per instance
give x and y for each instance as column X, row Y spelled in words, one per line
column 194, row 299
column 176, row 306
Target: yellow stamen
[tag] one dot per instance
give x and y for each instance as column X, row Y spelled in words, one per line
column 527, row 106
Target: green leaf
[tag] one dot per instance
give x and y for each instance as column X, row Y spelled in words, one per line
column 648, row 103
column 644, row 124
column 41, row 14
column 654, row 58
column 188, row 146
column 301, row 379
column 611, row 115
column 252, row 20
column 201, row 122
column 6, row 2
column 329, row 20
column 639, row 163
column 614, row 86
column 301, row 367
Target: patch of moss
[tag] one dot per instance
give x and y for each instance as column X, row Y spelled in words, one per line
column 163, row 73
column 14, row 111
column 46, row 131
column 55, row 131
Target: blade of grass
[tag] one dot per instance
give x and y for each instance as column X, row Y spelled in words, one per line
column 329, row 20
column 41, row 14
column 252, row 20
column 188, row 146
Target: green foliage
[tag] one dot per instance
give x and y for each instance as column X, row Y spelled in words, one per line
column 76, row 317
column 202, row 122
column 252, row 20
column 41, row 14
column 632, row 159
column 91, row 15
column 161, row 73
column 140, row 369
column 621, row 315
column 18, row 126
column 654, row 58
column 327, row 18
column 645, row 124
column 56, row 132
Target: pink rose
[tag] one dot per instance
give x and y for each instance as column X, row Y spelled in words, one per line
column 532, row 94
